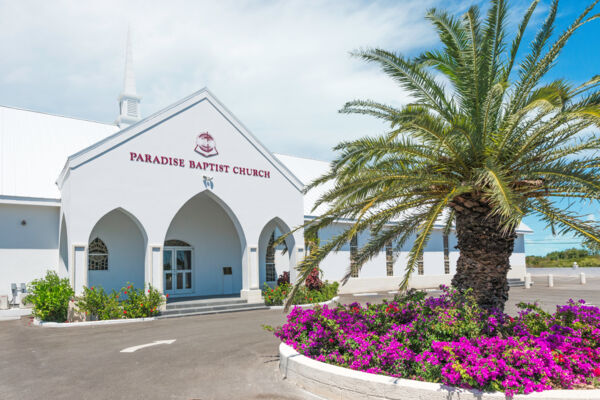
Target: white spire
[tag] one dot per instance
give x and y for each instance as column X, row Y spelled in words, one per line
column 129, row 101
column 129, row 84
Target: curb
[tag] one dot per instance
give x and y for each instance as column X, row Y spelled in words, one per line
column 332, row 382
column 43, row 324
column 303, row 306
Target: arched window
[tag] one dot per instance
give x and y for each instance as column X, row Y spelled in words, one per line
column 270, row 261
column 97, row 256
column 271, row 271
column 176, row 243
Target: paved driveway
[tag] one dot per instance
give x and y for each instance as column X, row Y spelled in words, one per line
column 226, row 356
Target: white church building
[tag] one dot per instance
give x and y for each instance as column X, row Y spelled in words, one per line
column 187, row 200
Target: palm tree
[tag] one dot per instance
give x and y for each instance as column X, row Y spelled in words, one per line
column 479, row 154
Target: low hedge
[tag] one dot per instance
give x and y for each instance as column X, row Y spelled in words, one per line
column 129, row 302
column 276, row 296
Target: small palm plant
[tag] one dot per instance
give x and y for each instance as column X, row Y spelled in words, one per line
column 491, row 147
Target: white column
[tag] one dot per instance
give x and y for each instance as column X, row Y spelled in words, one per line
column 253, row 267
column 296, row 259
column 251, row 292
column 80, row 268
column 156, row 267
column 297, row 255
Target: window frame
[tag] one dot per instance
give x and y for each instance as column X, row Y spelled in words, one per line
column 97, row 255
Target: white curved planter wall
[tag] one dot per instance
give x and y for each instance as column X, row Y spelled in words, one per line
column 332, row 382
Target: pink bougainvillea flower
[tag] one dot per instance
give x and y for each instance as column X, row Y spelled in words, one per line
column 448, row 339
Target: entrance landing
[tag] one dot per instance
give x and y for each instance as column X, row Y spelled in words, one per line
column 202, row 299
column 199, row 305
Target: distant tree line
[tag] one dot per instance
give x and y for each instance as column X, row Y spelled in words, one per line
column 587, row 257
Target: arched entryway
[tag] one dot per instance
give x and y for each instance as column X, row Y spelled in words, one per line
column 204, row 245
column 63, row 249
column 116, row 251
column 274, row 260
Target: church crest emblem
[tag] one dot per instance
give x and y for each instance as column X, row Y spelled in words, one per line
column 205, row 145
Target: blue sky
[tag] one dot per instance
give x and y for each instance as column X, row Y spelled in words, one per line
column 281, row 66
column 579, row 61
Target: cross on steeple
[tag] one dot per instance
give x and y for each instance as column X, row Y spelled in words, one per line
column 129, row 101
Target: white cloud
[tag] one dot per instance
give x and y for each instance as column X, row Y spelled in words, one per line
column 282, row 67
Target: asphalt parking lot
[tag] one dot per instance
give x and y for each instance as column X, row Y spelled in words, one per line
column 223, row 356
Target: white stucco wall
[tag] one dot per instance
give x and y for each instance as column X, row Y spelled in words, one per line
column 154, row 193
column 125, row 244
column 27, row 251
column 373, row 275
column 517, row 260
column 203, row 224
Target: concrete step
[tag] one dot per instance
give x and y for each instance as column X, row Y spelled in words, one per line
column 203, row 303
column 516, row 283
column 185, row 312
column 207, row 307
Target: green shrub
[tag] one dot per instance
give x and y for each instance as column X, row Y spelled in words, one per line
column 138, row 303
column 129, row 302
column 100, row 305
column 50, row 297
column 277, row 295
column 304, row 295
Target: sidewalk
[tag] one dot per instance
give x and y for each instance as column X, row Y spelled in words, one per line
column 14, row 313
column 588, row 271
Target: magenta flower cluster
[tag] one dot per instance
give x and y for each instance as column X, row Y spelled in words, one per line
column 449, row 339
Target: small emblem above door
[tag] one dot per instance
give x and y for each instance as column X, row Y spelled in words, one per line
column 205, row 145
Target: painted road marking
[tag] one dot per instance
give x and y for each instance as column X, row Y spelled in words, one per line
column 141, row 346
column 365, row 294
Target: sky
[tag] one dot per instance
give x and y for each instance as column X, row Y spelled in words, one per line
column 282, row 67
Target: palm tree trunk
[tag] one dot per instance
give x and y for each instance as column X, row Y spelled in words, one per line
column 485, row 251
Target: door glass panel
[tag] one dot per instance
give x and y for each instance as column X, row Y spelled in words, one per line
column 169, row 282
column 184, row 259
column 167, row 259
column 188, row 280
column 180, row 281
column 188, row 258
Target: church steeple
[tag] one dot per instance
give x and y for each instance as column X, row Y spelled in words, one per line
column 129, row 101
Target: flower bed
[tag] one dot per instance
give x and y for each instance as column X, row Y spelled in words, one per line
column 314, row 291
column 450, row 340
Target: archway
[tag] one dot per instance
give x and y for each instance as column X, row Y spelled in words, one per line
column 214, row 243
column 63, row 249
column 116, row 251
column 274, row 260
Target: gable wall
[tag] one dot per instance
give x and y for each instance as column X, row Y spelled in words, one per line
column 154, row 193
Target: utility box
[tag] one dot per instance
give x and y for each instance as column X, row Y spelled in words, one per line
column 3, row 302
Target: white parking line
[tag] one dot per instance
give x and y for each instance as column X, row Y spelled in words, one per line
column 141, row 346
